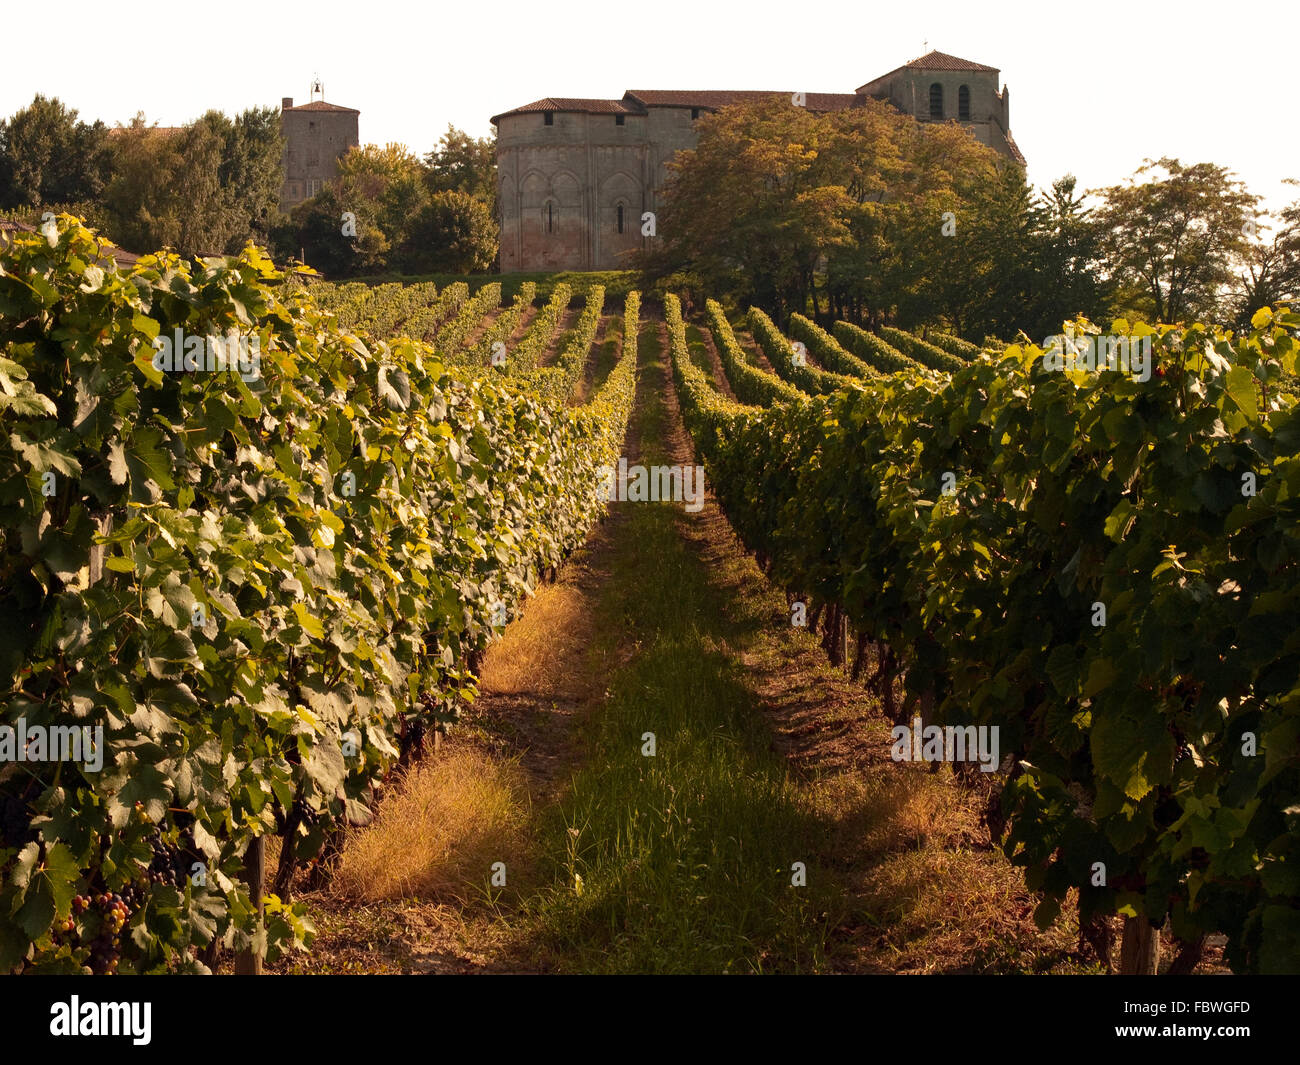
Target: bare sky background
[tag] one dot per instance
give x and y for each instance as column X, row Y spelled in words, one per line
column 1095, row 88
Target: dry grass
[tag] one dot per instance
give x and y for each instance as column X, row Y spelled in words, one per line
column 439, row 831
column 541, row 646
column 899, row 808
column 931, row 893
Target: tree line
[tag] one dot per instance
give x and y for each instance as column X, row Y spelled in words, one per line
column 205, row 189
column 213, row 186
column 412, row 215
column 869, row 215
column 863, row 214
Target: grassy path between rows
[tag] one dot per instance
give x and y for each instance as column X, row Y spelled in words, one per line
column 768, row 831
column 680, row 860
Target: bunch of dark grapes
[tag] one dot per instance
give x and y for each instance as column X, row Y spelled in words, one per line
column 136, row 894
column 165, row 860
column 172, row 861
column 109, row 913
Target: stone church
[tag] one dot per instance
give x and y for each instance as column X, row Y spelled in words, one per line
column 576, row 175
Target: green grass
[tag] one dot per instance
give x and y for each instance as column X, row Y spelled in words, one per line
column 699, row 353
column 607, row 356
column 685, row 857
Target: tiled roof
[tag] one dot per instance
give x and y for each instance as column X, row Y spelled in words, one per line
column 635, row 101
column 1015, row 149
column 936, row 61
column 573, row 103
column 321, row 105
column 943, row 61
column 715, row 98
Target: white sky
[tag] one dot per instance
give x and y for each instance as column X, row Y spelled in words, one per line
column 1095, row 87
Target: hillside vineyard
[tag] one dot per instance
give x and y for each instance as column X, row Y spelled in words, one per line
column 1079, row 586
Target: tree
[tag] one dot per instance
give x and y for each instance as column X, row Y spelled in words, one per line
column 462, row 163
column 778, row 206
column 1070, row 263
column 755, row 206
column 868, row 152
column 960, row 234
column 251, row 173
column 206, row 189
column 314, row 233
column 990, row 287
column 384, row 188
column 166, row 189
column 1174, row 238
column 1269, row 271
column 453, row 233
column 48, row 157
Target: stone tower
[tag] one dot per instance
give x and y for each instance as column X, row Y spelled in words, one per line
column 943, row 88
column 316, row 136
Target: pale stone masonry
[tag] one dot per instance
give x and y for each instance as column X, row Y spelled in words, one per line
column 316, row 136
column 576, row 175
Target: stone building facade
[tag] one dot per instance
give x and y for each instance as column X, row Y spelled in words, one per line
column 576, row 175
column 943, row 88
column 316, row 135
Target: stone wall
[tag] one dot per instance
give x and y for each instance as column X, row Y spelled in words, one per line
column 565, row 188
column 909, row 91
column 314, row 142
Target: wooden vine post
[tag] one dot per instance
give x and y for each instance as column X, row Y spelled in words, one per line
column 249, row 962
column 1139, row 951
